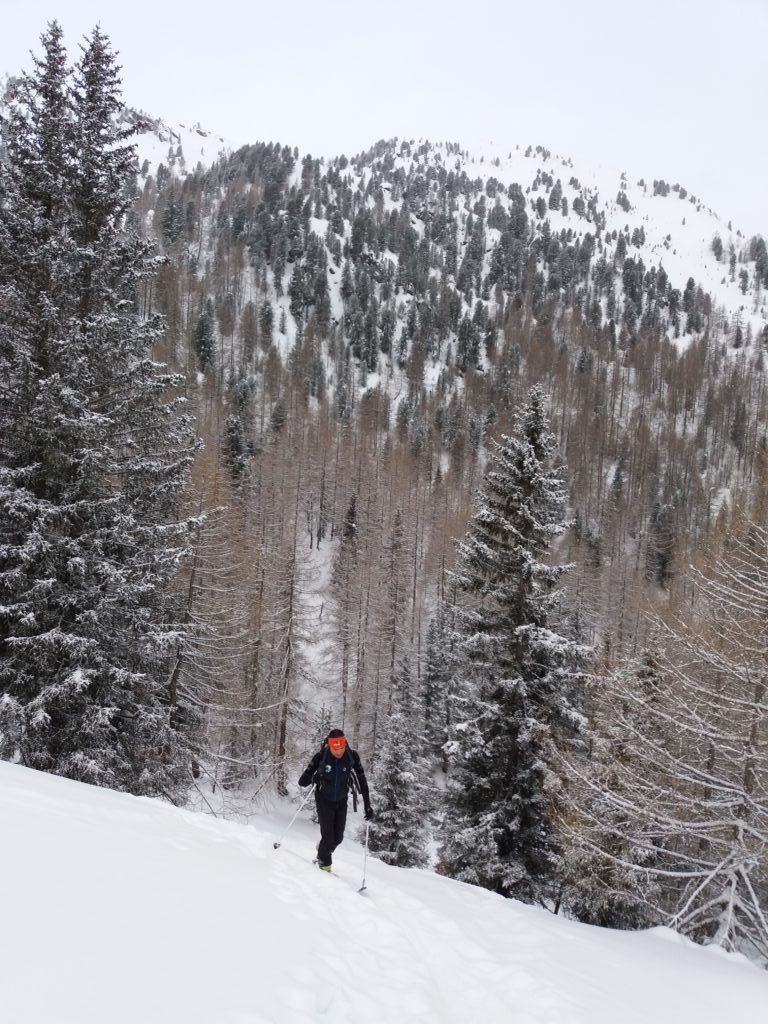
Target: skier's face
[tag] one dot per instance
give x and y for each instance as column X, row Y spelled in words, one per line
column 337, row 745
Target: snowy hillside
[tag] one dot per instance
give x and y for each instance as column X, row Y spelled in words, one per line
column 416, row 224
column 123, row 910
column 180, row 147
column 677, row 227
column 663, row 224
column 617, row 215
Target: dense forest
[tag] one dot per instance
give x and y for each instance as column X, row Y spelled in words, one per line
column 395, row 444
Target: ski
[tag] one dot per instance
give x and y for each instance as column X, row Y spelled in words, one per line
column 363, row 888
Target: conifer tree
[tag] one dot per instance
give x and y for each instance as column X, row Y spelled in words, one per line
column 436, row 684
column 520, row 686
column 204, row 337
column 400, row 831
column 266, row 324
column 94, row 454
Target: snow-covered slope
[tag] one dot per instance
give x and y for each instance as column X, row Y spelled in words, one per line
column 180, row 147
column 118, row 910
column 664, row 225
column 678, row 227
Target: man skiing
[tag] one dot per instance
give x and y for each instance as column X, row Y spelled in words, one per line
column 335, row 769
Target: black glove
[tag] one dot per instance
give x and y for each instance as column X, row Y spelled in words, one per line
column 369, row 813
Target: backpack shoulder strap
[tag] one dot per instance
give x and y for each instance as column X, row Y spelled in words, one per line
column 353, row 783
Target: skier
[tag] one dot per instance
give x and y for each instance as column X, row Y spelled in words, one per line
column 334, row 769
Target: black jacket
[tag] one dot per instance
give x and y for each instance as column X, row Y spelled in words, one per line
column 333, row 775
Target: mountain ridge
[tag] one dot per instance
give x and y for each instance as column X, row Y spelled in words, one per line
column 682, row 238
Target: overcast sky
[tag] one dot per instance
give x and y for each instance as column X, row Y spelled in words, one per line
column 673, row 89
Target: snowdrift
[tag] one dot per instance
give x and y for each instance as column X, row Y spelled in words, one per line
column 116, row 909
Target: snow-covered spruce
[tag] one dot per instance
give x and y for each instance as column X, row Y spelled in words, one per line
column 400, row 832
column 521, row 688
column 93, row 451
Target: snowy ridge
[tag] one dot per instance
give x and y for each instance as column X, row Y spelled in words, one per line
column 656, row 231
column 678, row 227
column 178, row 146
column 122, row 910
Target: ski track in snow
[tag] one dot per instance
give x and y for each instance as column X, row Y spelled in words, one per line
column 119, row 910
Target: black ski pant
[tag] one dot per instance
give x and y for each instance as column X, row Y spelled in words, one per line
column 333, row 818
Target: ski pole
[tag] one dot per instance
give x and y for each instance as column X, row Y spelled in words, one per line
column 365, row 856
column 282, row 837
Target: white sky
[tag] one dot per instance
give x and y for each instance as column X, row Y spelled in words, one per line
column 672, row 89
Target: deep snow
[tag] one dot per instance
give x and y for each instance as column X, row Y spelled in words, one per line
column 117, row 909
